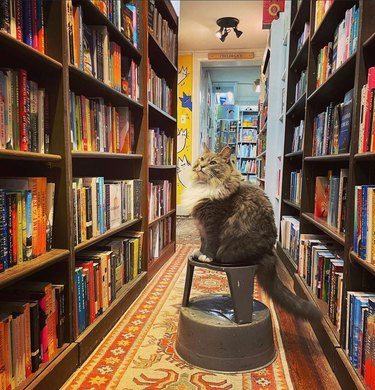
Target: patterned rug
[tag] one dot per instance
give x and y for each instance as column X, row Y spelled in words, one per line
column 139, row 352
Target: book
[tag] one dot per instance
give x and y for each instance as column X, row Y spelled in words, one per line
column 321, row 196
column 346, row 123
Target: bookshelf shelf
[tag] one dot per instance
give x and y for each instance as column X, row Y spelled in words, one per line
column 261, row 179
column 18, row 155
column 337, row 84
column 82, row 83
column 368, row 156
column 300, row 17
column 331, row 19
column 108, row 233
column 292, row 204
column 285, row 258
column 157, row 51
column 31, row 58
column 369, row 41
column 155, row 110
column 300, row 60
column 261, row 154
column 325, row 227
column 363, row 263
column 156, row 220
column 328, row 157
column 94, row 333
column 32, row 266
column 106, row 155
column 162, row 167
column 298, row 154
column 297, row 109
column 93, row 16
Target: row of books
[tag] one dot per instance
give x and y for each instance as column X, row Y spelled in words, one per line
column 298, row 135
column 289, row 236
column 25, row 21
column 249, row 120
column 246, row 166
column 24, row 113
column 101, row 272
column 100, row 205
column 332, row 128
column 301, row 86
column 304, row 36
column 247, row 135
column 366, row 142
column 32, row 321
column 321, row 8
column 97, row 127
column 123, row 15
column 160, row 147
column 26, row 219
column 360, row 334
column 295, row 186
column 260, row 168
column 321, row 266
column 160, row 235
column 91, row 50
column 344, row 44
column 160, row 30
column 159, row 93
column 261, row 143
column 331, row 197
column 364, row 222
column 160, row 200
column 246, row 150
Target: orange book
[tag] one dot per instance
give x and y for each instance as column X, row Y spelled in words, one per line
column 124, row 129
column 76, row 34
column 321, row 196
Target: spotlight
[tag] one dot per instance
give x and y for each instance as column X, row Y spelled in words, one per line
column 226, row 24
column 224, row 35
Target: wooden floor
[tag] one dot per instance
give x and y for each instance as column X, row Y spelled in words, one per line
column 308, row 367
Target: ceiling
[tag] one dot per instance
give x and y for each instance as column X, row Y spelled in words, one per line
column 198, row 25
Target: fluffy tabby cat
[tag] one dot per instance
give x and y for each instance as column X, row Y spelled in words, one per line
column 236, row 223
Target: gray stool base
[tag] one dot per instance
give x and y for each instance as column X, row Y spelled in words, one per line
column 208, row 338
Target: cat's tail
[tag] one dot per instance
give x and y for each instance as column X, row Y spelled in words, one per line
column 280, row 294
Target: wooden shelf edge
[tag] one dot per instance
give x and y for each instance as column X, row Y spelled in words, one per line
column 364, row 156
column 300, row 54
column 156, row 43
column 108, row 233
column 322, row 225
column 162, row 112
column 363, row 263
column 97, row 155
column 65, row 362
column 95, row 332
column 329, row 157
column 296, row 105
column 158, row 219
column 162, row 166
column 369, row 41
column 285, row 259
column 31, row 266
column 292, row 204
column 85, row 76
column 320, row 26
column 298, row 15
column 298, row 153
column 155, row 264
column 18, row 155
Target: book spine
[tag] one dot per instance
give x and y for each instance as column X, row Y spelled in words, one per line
column 3, row 232
column 22, row 90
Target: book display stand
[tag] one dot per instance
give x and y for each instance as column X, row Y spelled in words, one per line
column 225, row 332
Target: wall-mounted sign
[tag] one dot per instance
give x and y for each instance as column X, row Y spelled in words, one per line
column 231, row 56
column 271, row 9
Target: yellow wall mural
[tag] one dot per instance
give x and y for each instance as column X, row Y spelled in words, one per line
column 185, row 121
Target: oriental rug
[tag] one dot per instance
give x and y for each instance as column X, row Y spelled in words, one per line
column 139, row 352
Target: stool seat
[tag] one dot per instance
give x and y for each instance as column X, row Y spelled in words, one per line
column 241, row 286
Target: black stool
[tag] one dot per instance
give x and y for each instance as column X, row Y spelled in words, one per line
column 222, row 332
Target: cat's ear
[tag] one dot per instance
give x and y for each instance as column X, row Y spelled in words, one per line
column 205, row 148
column 226, row 153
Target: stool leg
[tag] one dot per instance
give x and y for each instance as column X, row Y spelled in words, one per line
column 188, row 283
column 241, row 285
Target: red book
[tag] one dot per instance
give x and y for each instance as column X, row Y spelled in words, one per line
column 19, row 22
column 368, row 107
column 321, row 196
column 22, row 98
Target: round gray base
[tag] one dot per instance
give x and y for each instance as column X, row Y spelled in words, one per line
column 208, row 337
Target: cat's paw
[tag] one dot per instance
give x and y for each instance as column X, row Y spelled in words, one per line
column 199, row 256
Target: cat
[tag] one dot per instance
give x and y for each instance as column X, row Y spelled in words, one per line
column 236, row 223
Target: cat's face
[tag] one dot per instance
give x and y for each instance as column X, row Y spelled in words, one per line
column 212, row 168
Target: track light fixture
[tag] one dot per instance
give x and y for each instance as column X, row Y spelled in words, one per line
column 226, row 24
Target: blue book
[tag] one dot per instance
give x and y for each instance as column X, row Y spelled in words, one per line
column 79, row 300
column 27, row 33
column 346, row 123
column 362, row 249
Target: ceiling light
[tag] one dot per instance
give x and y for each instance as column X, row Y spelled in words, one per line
column 226, row 24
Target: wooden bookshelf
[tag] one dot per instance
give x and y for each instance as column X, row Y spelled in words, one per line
column 54, row 72
column 358, row 273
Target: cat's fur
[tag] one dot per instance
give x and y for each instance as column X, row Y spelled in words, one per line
column 236, row 224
